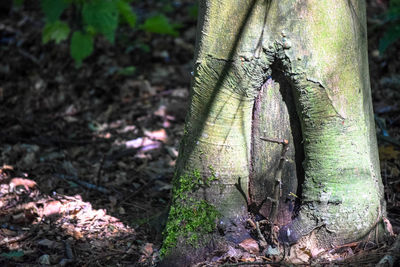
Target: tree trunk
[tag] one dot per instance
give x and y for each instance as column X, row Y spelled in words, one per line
column 280, row 115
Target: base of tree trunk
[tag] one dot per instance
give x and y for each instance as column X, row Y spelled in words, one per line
column 280, row 124
column 239, row 238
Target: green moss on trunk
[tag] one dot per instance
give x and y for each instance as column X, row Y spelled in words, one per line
column 189, row 218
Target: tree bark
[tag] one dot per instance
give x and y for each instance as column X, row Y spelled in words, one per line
column 280, row 114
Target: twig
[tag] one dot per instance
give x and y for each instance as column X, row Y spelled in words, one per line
column 252, row 207
column 82, row 183
column 278, row 175
column 252, row 224
column 29, row 56
column 275, row 140
column 260, row 235
column 9, row 240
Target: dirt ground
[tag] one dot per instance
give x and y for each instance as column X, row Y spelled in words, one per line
column 87, row 155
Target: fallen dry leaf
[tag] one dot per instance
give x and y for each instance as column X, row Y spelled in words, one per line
column 250, row 245
column 52, row 208
column 73, row 231
column 139, row 142
column 388, row 225
column 26, row 183
column 147, row 249
column 160, row 135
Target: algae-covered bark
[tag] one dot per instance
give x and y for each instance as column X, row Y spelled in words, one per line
column 342, row 191
column 218, row 127
column 276, row 70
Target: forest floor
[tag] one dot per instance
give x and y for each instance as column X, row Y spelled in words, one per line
column 87, row 154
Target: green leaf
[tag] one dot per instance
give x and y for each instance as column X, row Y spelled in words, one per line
column 72, row 184
column 126, row 12
column 12, row 254
column 144, row 47
column 18, row 3
column 81, row 47
column 159, row 24
column 391, row 35
column 103, row 16
column 394, row 4
column 90, row 30
column 193, row 11
column 393, row 12
column 53, row 9
column 127, row 71
column 55, row 31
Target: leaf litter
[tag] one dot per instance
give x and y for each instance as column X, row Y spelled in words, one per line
column 87, row 155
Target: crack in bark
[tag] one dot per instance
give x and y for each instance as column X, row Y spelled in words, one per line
column 324, row 89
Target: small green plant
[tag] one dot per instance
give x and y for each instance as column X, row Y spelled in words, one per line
column 160, row 24
column 392, row 19
column 91, row 18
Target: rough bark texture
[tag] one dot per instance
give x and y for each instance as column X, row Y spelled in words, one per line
column 287, row 69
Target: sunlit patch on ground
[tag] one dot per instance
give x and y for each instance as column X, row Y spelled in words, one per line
column 58, row 229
